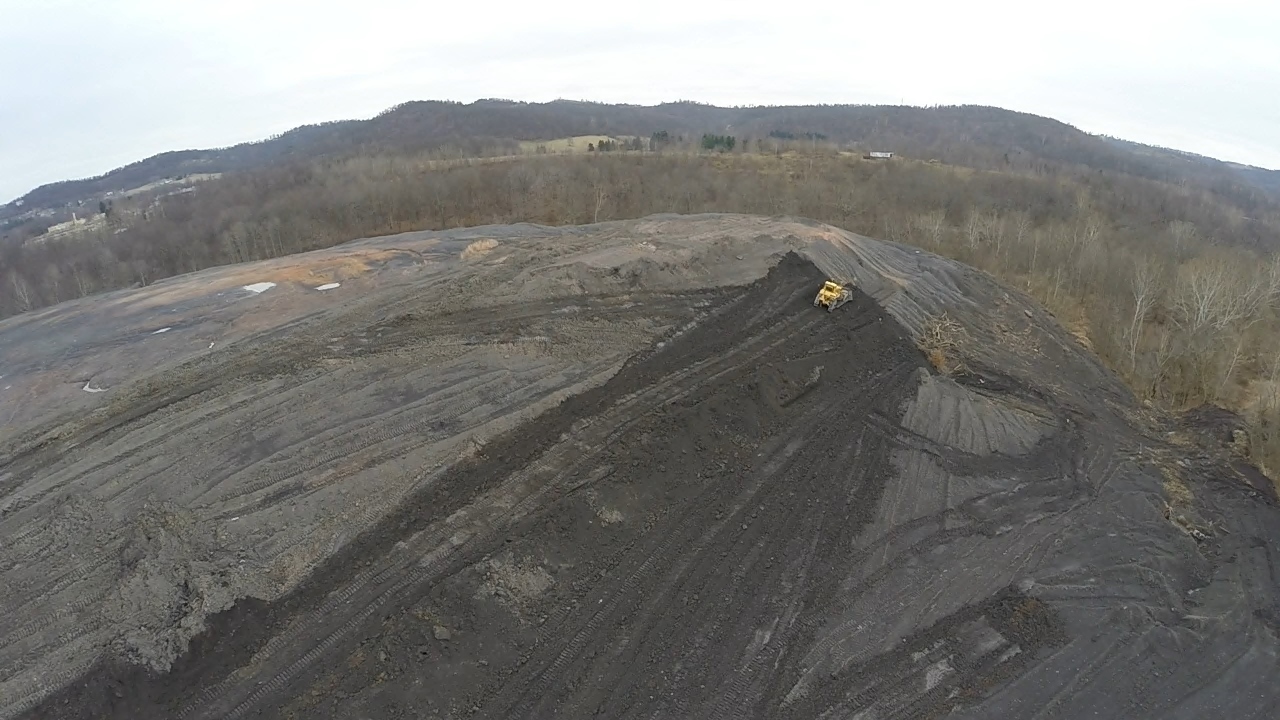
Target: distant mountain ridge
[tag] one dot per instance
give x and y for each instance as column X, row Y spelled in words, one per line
column 1263, row 178
column 974, row 136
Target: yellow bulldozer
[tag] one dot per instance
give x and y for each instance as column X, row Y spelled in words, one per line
column 832, row 295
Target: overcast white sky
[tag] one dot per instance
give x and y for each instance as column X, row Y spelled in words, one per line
column 87, row 86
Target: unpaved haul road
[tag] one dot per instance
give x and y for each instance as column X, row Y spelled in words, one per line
column 768, row 511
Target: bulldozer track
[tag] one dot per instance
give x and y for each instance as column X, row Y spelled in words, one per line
column 528, row 504
column 71, row 609
column 49, row 685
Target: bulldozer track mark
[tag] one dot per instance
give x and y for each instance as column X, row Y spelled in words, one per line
column 28, row 534
column 678, row 565
column 683, row 378
column 69, row 610
column 626, row 590
column 567, row 653
column 36, row 652
column 296, row 460
column 369, row 578
column 171, row 431
column 743, row 675
column 46, row 687
column 680, row 575
column 293, row 636
column 57, row 586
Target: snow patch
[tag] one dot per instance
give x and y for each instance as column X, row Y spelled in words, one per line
column 329, row 286
column 259, row 287
column 161, row 330
column 88, row 389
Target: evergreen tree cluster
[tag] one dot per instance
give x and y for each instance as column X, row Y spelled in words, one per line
column 718, row 142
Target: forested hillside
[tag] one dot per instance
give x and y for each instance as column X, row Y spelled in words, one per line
column 978, row 137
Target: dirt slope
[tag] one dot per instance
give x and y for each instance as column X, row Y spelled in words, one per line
column 622, row 470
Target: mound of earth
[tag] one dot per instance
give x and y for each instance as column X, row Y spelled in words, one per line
column 622, row 470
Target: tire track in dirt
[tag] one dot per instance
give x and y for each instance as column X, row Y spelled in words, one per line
column 314, row 453
column 416, row 577
column 24, row 658
column 49, row 685
column 777, row 503
column 653, row 396
column 330, row 605
column 189, row 381
column 536, row 698
column 64, row 612
column 41, row 594
column 398, row 432
column 214, row 401
column 407, row 427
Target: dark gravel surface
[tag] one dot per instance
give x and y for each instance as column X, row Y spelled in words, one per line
column 775, row 513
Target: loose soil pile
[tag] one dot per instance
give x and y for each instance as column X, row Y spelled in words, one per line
column 625, row 470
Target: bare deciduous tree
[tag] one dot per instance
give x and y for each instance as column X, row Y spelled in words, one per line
column 1182, row 233
column 21, row 291
column 1273, row 281
column 1144, row 286
column 977, row 229
column 1216, row 293
column 930, row 226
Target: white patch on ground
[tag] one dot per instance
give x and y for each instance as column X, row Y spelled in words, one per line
column 798, row 691
column 514, row 583
column 86, row 388
column 259, row 287
column 211, row 346
column 936, row 673
column 161, row 330
column 329, row 286
column 609, row 516
column 762, row 638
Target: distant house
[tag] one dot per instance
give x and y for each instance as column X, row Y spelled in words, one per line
column 879, row 155
column 74, row 225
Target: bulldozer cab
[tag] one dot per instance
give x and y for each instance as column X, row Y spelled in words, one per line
column 832, row 295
